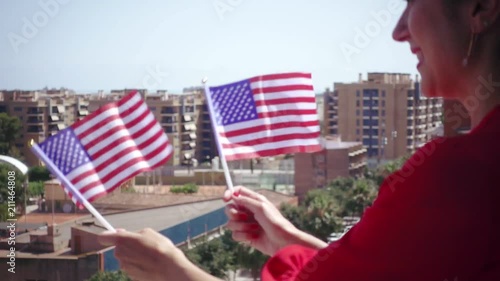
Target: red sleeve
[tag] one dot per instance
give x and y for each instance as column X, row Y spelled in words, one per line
column 428, row 223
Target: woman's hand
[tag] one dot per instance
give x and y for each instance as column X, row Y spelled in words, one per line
column 150, row 256
column 256, row 221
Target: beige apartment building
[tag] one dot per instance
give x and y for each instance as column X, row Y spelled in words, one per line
column 386, row 113
column 42, row 113
column 337, row 159
column 176, row 114
column 184, row 118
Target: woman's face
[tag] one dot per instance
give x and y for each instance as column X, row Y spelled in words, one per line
column 439, row 39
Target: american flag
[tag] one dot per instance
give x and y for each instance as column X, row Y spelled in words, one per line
column 266, row 115
column 103, row 150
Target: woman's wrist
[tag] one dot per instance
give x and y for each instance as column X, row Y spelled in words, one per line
column 297, row 237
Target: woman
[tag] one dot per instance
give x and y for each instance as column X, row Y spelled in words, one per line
column 435, row 219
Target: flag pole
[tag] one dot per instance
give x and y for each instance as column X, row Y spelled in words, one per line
column 227, row 175
column 53, row 168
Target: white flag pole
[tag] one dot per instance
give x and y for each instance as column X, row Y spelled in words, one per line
column 53, row 168
column 210, row 104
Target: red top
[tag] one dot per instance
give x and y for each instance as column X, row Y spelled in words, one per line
column 436, row 219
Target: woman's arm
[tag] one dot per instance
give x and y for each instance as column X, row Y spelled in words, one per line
column 148, row 255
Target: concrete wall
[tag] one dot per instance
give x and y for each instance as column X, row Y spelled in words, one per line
column 84, row 241
column 196, row 177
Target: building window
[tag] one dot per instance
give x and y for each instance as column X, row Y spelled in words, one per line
column 370, row 122
column 357, row 112
column 358, row 93
column 372, row 112
column 357, row 131
column 383, row 103
column 383, row 93
column 357, row 103
column 372, row 152
column 357, row 122
column 382, row 113
column 152, row 108
column 18, row 109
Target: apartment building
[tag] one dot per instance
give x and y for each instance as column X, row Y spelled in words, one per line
column 206, row 147
column 43, row 113
column 337, row 159
column 386, row 113
column 176, row 114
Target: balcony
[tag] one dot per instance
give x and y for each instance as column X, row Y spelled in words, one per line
column 35, row 129
column 357, row 152
column 186, row 128
column 355, row 166
column 187, row 118
column 169, row 110
column 170, row 129
column 169, row 120
column 54, row 118
column 34, row 120
column 35, row 111
column 83, row 112
column 58, row 109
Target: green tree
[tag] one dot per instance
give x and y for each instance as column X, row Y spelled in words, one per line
column 322, row 210
column 317, row 216
column 189, row 188
column 38, row 173
column 10, row 130
column 7, row 173
column 250, row 259
column 352, row 196
column 110, row 276
column 213, row 257
column 244, row 257
column 35, row 188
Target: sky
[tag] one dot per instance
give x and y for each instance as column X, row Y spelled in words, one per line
column 90, row 45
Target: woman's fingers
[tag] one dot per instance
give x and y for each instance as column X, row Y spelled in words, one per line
column 243, row 191
column 245, row 236
column 243, row 226
column 255, row 206
column 239, row 213
column 109, row 238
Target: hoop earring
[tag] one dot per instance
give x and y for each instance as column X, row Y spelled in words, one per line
column 473, row 36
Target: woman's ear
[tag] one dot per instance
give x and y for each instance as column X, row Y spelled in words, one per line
column 484, row 14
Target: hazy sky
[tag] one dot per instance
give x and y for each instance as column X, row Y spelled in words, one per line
column 165, row 44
